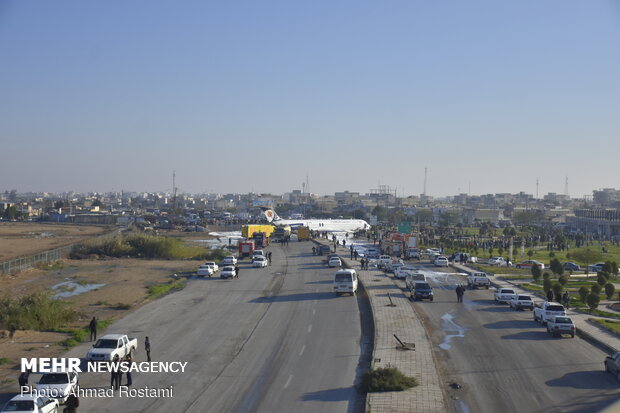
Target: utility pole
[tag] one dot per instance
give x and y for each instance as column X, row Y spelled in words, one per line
column 566, row 186
column 536, row 188
column 425, row 175
column 174, row 190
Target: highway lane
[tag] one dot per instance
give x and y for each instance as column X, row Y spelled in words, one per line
column 506, row 362
column 276, row 339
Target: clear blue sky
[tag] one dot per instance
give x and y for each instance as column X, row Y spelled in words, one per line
column 242, row 96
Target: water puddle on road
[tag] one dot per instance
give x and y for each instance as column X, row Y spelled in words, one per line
column 449, row 326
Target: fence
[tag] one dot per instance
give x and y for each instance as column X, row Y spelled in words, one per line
column 23, row 263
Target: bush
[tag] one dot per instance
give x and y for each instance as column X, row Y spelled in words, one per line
column 536, row 272
column 547, row 284
column 610, row 289
column 385, row 379
column 593, row 300
column 583, row 293
column 145, row 246
column 563, row 280
column 556, row 266
column 37, row 311
column 557, row 289
column 546, row 275
column 596, row 288
column 161, row 289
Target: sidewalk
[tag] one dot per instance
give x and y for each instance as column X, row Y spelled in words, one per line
column 401, row 320
column 585, row 329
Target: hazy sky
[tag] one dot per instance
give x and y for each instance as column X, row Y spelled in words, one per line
column 253, row 96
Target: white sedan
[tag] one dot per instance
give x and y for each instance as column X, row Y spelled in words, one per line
column 205, row 270
column 228, row 272
column 230, row 260
column 441, row 261
column 213, row 266
column 259, row 262
column 334, row 262
column 32, row 404
column 504, row 295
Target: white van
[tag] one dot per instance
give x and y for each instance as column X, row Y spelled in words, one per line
column 345, row 281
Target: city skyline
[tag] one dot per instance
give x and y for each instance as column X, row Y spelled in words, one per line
column 237, row 98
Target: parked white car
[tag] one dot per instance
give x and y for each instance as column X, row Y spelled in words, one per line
column 228, row 272
column 383, row 260
column 558, row 325
column 441, row 261
column 213, row 266
column 205, row 270
column 497, row 261
column 334, row 262
column 259, row 262
column 58, row 385
column 521, row 302
column 504, row 295
column 32, row 404
column 230, row 260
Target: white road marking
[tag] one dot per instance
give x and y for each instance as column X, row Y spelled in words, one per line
column 310, row 328
column 448, row 325
column 303, row 348
column 290, row 377
column 316, row 289
column 313, row 311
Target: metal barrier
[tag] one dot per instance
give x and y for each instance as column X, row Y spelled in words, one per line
column 23, row 263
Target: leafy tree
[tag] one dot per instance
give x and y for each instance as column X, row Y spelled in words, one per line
column 557, row 289
column 583, row 293
column 596, row 288
column 547, row 284
column 593, row 301
column 587, row 256
column 602, row 278
column 556, row 266
column 546, row 275
column 563, row 280
column 536, row 272
column 551, row 254
column 610, row 289
column 530, row 254
column 569, row 256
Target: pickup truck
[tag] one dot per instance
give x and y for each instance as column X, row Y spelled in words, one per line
column 543, row 312
column 113, row 347
column 478, row 279
column 558, row 325
column 612, row 365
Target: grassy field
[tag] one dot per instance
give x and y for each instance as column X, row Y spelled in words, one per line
column 613, row 326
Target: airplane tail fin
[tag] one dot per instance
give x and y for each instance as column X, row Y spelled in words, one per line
column 271, row 215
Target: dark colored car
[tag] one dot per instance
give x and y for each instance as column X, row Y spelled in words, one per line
column 571, row 266
column 422, row 291
column 324, row 249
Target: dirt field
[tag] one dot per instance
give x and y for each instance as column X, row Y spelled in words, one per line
column 18, row 239
column 124, row 290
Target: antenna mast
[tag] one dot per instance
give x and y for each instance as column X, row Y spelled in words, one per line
column 174, row 189
column 425, row 174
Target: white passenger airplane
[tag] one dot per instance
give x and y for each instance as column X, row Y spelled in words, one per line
column 327, row 225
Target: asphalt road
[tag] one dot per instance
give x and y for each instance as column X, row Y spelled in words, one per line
column 275, row 340
column 504, row 362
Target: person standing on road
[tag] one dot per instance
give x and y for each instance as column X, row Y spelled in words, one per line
column 147, row 348
column 72, row 403
column 130, row 364
column 459, row 293
column 549, row 295
column 93, row 329
column 23, row 379
column 269, row 257
column 236, row 271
